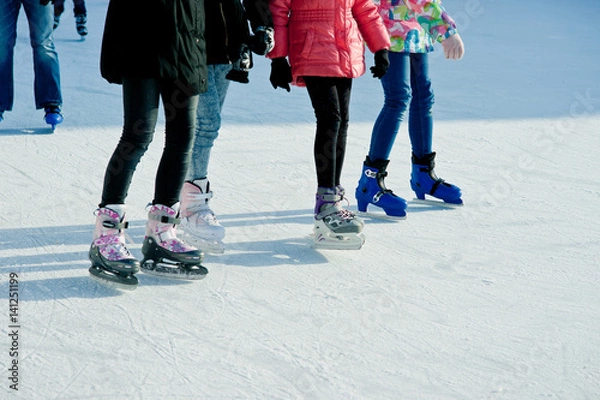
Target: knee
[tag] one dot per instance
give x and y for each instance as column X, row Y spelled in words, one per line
column 208, row 127
column 398, row 100
column 427, row 100
column 137, row 138
column 329, row 120
column 205, row 138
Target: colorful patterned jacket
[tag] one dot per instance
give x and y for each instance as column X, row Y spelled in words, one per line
column 415, row 24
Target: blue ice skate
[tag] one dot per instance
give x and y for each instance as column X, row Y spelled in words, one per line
column 53, row 116
column 424, row 181
column 371, row 190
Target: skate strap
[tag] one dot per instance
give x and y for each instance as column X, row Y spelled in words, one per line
column 200, row 196
column 379, row 194
column 435, row 186
column 334, row 207
column 198, row 202
column 330, row 198
column 165, row 219
column 114, row 225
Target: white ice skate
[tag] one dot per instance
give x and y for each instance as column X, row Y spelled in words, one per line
column 326, row 239
column 335, row 227
column 198, row 221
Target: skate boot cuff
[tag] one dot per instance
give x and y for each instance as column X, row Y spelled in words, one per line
column 428, row 160
column 331, row 203
column 380, row 165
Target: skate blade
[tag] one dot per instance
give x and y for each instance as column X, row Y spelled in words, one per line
column 381, row 215
column 437, row 203
column 213, row 246
column 172, row 271
column 108, row 279
column 349, row 241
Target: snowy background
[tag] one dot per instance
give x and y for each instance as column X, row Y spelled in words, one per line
column 499, row 299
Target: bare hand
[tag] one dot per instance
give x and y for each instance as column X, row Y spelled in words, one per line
column 454, row 49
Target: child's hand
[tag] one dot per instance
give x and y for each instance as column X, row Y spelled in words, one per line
column 382, row 63
column 281, row 73
column 454, row 49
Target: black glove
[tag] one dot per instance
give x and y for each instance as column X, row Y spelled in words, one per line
column 263, row 40
column 45, row 2
column 281, row 73
column 239, row 72
column 382, row 63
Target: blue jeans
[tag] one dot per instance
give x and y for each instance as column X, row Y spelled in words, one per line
column 45, row 59
column 406, row 85
column 208, row 120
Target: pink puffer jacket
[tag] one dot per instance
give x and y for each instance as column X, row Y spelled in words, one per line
column 326, row 37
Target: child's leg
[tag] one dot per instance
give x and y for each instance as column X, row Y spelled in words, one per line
column 325, row 100
column 140, row 105
column 79, row 7
column 420, row 120
column 59, row 7
column 397, row 95
column 180, row 115
column 208, row 120
column 344, row 89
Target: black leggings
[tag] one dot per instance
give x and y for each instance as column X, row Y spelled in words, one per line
column 330, row 99
column 140, row 103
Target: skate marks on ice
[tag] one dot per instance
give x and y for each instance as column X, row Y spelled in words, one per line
column 267, row 238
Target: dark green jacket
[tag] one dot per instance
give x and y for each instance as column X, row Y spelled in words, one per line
column 161, row 39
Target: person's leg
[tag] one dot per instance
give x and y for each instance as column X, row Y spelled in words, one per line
column 208, row 121
column 371, row 187
column 197, row 218
column 326, row 105
column 424, row 180
column 80, row 14
column 9, row 9
column 45, row 58
column 59, row 7
column 420, row 117
column 330, row 215
column 79, row 7
column 344, row 89
column 180, row 115
column 164, row 252
column 140, row 106
column 397, row 95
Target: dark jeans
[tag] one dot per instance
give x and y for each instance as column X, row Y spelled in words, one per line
column 140, row 104
column 330, row 99
column 78, row 7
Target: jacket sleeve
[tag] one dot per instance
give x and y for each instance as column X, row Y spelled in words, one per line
column 258, row 13
column 280, row 10
column 371, row 25
column 432, row 16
